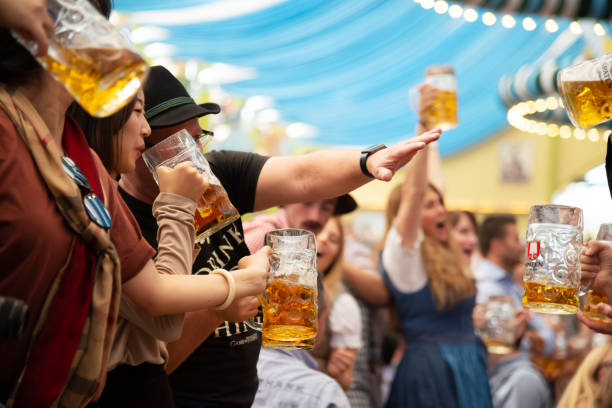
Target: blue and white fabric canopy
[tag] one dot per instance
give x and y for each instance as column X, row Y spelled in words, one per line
column 346, row 67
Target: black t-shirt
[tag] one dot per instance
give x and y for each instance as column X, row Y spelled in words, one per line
column 222, row 372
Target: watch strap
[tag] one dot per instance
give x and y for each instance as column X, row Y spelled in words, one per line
column 364, row 158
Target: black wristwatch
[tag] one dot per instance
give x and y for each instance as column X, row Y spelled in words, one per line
column 364, row 157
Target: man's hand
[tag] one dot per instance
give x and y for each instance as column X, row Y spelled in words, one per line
column 478, row 316
column 30, row 19
column 384, row 163
column 600, row 327
column 521, row 318
column 596, row 266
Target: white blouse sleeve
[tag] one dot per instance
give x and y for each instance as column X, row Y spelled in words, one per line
column 404, row 265
column 345, row 323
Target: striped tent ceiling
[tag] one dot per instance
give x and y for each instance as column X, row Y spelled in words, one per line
column 346, row 67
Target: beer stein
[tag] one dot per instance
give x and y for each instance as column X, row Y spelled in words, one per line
column 94, row 61
column 593, row 297
column 215, row 210
column 585, row 88
column 443, row 113
column 498, row 330
column 552, row 269
column 289, row 303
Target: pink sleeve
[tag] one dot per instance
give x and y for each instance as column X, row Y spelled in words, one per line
column 254, row 233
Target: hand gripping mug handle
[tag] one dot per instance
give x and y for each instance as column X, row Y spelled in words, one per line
column 256, row 322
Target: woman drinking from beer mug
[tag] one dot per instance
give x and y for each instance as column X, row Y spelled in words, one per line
column 428, row 276
column 67, row 254
column 342, row 336
column 138, row 357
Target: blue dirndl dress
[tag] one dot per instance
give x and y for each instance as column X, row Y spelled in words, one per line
column 444, row 364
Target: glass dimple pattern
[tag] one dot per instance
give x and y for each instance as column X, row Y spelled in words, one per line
column 557, row 263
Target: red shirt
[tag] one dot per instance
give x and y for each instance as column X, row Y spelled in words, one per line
column 34, row 245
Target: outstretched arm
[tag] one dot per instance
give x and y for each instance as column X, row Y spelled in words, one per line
column 367, row 285
column 330, row 173
column 414, row 186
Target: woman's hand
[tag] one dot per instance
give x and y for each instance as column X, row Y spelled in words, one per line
column 427, row 98
column 252, row 275
column 340, row 360
column 184, row 180
column 240, row 310
column 30, row 19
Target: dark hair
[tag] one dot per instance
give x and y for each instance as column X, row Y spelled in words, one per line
column 103, row 133
column 454, row 216
column 494, row 226
column 17, row 65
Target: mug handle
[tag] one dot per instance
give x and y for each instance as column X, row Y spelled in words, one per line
column 583, row 290
column 256, row 322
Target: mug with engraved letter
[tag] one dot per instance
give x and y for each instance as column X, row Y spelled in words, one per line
column 93, row 60
column 593, row 297
column 289, row 303
column 215, row 210
column 552, row 270
column 586, row 91
column 498, row 329
column 443, row 112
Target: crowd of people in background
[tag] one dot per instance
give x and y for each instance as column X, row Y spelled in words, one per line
column 136, row 314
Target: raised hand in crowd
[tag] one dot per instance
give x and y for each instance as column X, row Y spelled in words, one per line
column 596, row 265
column 30, row 19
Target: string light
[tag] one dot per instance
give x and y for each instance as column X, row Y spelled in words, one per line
column 488, row 18
column 427, row 4
column 470, row 15
column 551, row 25
column 575, row 28
column 455, row 11
column 440, row 7
column 599, row 30
column 529, row 24
column 508, row 21
column 517, row 118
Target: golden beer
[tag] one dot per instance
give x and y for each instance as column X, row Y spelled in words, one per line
column 497, row 346
column 443, row 113
column 591, row 300
column 289, row 315
column 102, row 80
column 208, row 219
column 588, row 103
column 550, row 299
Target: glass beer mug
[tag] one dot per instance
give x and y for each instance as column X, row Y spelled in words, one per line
column 498, row 330
column 585, row 88
column 552, row 270
column 443, row 113
column 96, row 64
column 214, row 210
column 289, row 303
column 593, row 297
